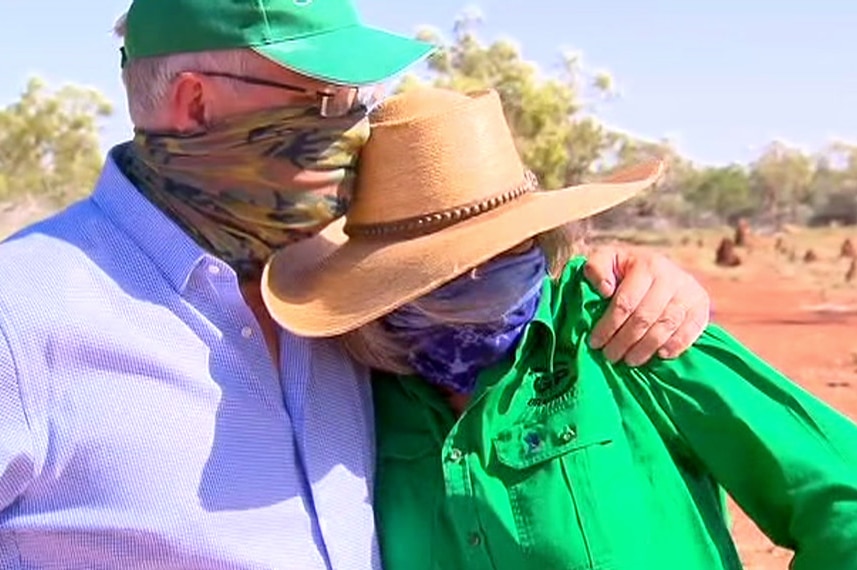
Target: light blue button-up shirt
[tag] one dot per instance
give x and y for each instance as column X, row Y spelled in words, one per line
column 143, row 424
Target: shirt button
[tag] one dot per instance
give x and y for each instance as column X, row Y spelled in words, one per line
column 214, row 269
column 474, row 539
column 567, row 434
column 246, row 332
column 455, row 455
column 533, row 441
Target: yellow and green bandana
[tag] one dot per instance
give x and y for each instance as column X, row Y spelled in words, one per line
column 250, row 185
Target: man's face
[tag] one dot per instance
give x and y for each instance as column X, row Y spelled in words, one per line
column 199, row 98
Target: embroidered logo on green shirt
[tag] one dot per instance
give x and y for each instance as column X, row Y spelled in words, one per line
column 552, row 385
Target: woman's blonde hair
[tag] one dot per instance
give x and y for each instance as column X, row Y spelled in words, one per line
column 372, row 346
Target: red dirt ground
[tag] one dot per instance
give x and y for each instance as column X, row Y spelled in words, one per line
column 816, row 348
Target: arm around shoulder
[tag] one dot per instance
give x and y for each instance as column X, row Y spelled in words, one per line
column 785, row 456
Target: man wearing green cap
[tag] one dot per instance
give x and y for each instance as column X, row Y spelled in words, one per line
column 151, row 414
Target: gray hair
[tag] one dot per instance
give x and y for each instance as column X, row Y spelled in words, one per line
column 372, row 346
column 147, row 80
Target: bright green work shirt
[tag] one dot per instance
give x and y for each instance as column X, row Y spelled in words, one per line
column 565, row 461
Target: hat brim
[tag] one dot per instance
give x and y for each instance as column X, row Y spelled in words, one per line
column 329, row 285
column 355, row 55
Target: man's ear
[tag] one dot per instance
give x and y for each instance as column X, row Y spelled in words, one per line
column 188, row 103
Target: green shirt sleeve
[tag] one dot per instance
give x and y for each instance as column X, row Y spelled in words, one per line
column 788, row 460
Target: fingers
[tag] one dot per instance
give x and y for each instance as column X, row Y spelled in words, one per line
column 650, row 324
column 656, row 308
column 672, row 323
column 696, row 319
column 631, row 291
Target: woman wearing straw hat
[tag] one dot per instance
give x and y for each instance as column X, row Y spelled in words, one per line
column 504, row 441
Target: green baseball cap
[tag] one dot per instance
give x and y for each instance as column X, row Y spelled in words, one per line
column 323, row 39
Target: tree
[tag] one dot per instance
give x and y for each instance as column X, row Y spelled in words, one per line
column 556, row 141
column 49, row 143
column 834, row 185
column 724, row 191
column 667, row 203
column 783, row 177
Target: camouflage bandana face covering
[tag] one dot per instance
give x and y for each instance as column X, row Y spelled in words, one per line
column 250, row 185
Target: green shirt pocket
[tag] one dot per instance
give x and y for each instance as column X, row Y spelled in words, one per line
column 566, row 465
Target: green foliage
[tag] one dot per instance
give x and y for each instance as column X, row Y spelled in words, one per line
column 725, row 192
column 49, row 146
column 783, row 176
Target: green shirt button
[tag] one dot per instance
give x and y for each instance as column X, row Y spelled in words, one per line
column 474, row 539
column 567, row 434
column 455, row 455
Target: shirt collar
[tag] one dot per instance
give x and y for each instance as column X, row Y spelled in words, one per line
column 174, row 253
column 568, row 297
column 541, row 325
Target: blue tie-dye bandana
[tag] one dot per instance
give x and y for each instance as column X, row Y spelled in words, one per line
column 452, row 354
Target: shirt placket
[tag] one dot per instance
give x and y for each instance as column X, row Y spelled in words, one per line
column 294, row 377
column 235, row 319
column 457, row 480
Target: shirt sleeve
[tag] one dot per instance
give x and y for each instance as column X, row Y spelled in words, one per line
column 16, row 444
column 787, row 459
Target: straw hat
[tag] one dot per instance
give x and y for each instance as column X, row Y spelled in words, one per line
column 440, row 189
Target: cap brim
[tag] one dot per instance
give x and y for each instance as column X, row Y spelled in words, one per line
column 356, row 55
column 318, row 288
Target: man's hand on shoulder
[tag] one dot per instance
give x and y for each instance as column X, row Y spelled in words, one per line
column 656, row 307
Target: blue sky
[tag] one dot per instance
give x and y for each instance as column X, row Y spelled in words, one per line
column 720, row 78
